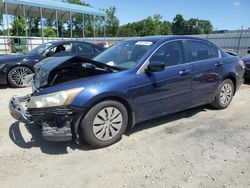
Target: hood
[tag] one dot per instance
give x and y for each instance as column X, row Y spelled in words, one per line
column 56, row 70
column 7, row 58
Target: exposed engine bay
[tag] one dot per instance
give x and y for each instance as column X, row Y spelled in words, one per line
column 58, row 70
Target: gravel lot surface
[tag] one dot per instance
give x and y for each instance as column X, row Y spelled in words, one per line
column 201, row 147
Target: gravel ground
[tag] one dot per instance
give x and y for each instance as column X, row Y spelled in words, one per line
column 200, row 147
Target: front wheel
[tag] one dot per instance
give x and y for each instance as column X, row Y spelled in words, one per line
column 104, row 124
column 224, row 95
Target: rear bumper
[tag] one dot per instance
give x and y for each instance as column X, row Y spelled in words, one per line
column 57, row 123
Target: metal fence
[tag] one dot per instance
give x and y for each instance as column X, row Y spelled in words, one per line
column 238, row 42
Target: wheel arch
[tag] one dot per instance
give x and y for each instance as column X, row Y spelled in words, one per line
column 127, row 105
column 233, row 78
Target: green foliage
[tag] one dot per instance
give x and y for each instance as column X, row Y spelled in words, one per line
column 112, row 22
column 155, row 26
column 18, row 27
column 49, row 32
column 33, row 26
column 147, row 27
column 152, row 25
column 180, row 26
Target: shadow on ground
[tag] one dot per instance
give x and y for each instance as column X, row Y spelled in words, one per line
column 247, row 82
column 54, row 148
column 3, row 86
column 168, row 118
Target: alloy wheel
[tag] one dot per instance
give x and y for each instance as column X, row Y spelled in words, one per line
column 226, row 94
column 17, row 74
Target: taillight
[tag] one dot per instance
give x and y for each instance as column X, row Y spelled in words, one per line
column 242, row 64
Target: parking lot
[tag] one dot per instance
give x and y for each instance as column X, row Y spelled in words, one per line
column 201, row 147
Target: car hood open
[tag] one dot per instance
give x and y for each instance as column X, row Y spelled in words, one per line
column 55, row 70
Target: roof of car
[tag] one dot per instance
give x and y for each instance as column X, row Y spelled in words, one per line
column 66, row 41
column 163, row 38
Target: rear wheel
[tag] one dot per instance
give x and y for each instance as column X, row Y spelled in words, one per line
column 16, row 75
column 224, row 95
column 104, row 124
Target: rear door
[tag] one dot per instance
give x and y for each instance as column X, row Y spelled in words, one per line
column 206, row 69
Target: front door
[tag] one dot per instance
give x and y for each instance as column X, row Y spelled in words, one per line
column 164, row 92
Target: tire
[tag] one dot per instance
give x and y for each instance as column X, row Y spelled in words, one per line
column 104, row 124
column 224, row 94
column 15, row 76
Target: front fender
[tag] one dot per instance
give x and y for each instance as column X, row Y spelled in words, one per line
column 87, row 99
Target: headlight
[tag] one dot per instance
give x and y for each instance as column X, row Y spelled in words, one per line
column 61, row 98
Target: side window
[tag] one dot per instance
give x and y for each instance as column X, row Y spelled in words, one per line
column 170, row 53
column 197, row 51
column 84, row 48
column 98, row 49
column 60, row 48
column 214, row 51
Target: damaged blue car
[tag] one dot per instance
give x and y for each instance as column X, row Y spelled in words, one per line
column 133, row 81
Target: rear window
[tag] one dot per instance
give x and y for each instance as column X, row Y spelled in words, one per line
column 84, row 48
column 214, row 51
column 197, row 51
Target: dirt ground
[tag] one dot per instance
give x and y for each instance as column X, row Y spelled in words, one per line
column 200, row 147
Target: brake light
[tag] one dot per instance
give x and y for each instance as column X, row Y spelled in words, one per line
column 242, row 64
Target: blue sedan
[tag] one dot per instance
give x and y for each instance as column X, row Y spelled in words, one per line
column 133, row 81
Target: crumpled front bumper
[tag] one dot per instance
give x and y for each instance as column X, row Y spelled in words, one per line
column 56, row 122
column 17, row 111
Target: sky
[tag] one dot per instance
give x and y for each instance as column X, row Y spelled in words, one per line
column 223, row 14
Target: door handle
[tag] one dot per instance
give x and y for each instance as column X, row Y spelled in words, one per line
column 218, row 64
column 184, row 72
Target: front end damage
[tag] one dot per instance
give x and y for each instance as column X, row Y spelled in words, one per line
column 58, row 123
column 54, row 111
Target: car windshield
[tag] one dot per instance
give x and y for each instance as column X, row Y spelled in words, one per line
column 124, row 55
column 40, row 49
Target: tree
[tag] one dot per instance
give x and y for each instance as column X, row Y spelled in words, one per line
column 77, row 23
column 112, row 22
column 146, row 27
column 33, row 28
column 165, row 28
column 49, row 32
column 179, row 25
column 18, row 27
column 206, row 26
column 191, row 26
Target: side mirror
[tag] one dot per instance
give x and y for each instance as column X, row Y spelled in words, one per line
column 49, row 54
column 156, row 66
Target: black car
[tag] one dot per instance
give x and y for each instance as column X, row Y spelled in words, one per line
column 13, row 68
column 246, row 60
